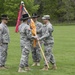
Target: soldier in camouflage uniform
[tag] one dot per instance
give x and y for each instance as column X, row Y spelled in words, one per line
column 4, row 40
column 36, row 51
column 25, row 41
column 48, row 41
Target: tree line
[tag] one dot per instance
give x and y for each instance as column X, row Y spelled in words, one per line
column 59, row 10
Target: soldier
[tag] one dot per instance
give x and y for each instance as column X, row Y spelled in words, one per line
column 25, row 39
column 48, row 41
column 4, row 40
column 36, row 51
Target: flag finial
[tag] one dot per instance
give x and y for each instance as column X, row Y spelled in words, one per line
column 22, row 2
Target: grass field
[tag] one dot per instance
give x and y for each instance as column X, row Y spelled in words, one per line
column 64, row 51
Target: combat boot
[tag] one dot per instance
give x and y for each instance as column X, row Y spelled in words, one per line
column 21, row 70
column 3, row 67
column 34, row 64
column 38, row 64
column 27, row 69
column 54, row 67
column 45, row 68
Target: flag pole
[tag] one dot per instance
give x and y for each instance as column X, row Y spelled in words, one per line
column 43, row 54
column 38, row 41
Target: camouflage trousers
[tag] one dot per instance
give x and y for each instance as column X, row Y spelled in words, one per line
column 24, row 57
column 3, row 54
column 36, row 54
column 49, row 54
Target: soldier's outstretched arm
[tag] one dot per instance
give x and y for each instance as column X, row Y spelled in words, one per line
column 45, row 35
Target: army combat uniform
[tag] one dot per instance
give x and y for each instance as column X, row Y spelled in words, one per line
column 4, row 40
column 25, row 39
column 48, row 42
column 36, row 52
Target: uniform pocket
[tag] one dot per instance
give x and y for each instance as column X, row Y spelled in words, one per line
column 5, row 38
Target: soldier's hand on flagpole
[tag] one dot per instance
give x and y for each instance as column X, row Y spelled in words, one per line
column 35, row 37
column 39, row 39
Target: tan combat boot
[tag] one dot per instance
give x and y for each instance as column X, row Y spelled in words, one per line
column 45, row 68
column 27, row 69
column 54, row 67
column 38, row 64
column 34, row 64
column 21, row 70
column 3, row 67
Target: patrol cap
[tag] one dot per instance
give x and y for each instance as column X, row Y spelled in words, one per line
column 4, row 16
column 46, row 17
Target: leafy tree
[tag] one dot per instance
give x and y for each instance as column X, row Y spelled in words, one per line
column 49, row 7
column 11, row 8
column 60, row 10
column 1, row 6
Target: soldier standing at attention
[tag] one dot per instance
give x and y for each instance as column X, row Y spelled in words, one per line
column 36, row 51
column 4, row 40
column 48, row 40
column 25, row 42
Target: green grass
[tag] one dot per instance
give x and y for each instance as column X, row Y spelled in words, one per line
column 64, row 51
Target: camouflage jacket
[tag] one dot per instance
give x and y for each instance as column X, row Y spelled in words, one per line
column 47, row 33
column 4, row 33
